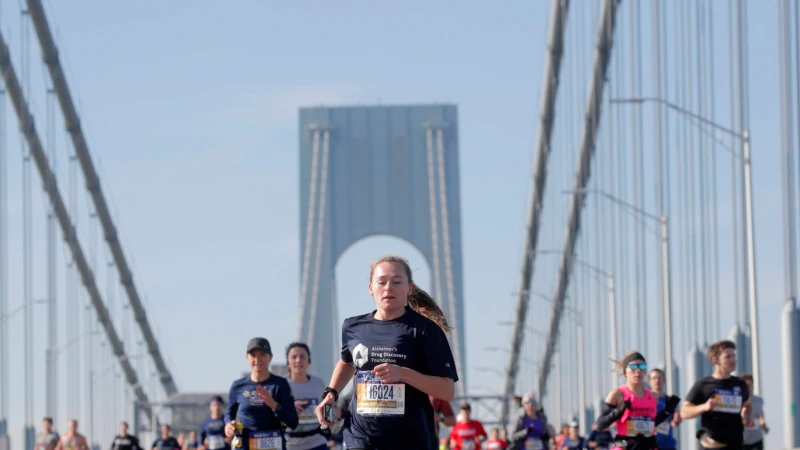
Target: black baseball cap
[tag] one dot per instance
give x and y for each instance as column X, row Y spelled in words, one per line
column 259, row 343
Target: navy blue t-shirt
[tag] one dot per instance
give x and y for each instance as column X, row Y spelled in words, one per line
column 212, row 434
column 396, row 415
column 254, row 414
column 602, row 438
column 169, row 443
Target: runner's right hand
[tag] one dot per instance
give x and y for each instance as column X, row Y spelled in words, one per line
column 710, row 404
column 299, row 406
column 320, row 410
column 230, row 427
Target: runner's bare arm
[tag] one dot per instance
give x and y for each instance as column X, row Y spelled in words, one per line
column 690, row 410
column 342, row 374
column 615, row 397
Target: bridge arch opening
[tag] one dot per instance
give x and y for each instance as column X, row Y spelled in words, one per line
column 351, row 274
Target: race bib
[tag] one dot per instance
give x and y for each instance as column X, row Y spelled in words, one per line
column 663, row 428
column 639, row 425
column 533, row 444
column 468, row 445
column 375, row 398
column 728, row 401
column 216, row 442
column 308, row 417
column 266, row 440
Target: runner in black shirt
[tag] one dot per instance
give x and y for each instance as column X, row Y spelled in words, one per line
column 165, row 442
column 397, row 358
column 124, row 441
column 721, row 400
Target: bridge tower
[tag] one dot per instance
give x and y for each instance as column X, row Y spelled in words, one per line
column 382, row 170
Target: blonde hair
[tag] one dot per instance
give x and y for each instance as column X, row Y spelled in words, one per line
column 419, row 300
column 424, row 304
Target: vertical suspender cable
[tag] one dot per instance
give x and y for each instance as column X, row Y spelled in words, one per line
column 27, row 243
column 310, row 215
column 734, row 164
column 703, row 171
column 51, row 365
column 714, row 183
column 323, row 194
column 437, row 268
column 4, row 362
column 448, row 269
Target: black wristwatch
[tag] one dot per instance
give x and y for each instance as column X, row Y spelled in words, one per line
column 332, row 391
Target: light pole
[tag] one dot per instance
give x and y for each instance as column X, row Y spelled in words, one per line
column 744, row 136
column 665, row 274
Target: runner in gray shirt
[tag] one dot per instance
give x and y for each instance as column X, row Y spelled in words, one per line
column 47, row 439
column 307, row 391
column 754, row 435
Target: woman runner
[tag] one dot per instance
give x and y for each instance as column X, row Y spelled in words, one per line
column 531, row 431
column 260, row 402
column 633, row 407
column 306, row 388
column 397, row 357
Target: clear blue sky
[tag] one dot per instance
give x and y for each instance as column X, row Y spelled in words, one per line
column 191, row 112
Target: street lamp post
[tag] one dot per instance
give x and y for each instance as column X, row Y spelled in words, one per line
column 665, row 274
column 744, row 136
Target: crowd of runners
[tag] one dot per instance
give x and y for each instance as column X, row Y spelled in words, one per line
column 403, row 373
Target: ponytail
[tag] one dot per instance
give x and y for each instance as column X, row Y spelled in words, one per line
column 424, row 304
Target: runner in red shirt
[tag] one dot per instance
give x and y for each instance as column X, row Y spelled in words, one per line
column 495, row 443
column 467, row 434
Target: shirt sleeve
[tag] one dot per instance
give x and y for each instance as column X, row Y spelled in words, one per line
column 745, row 392
column 233, row 404
column 346, row 355
column 481, row 430
column 286, row 413
column 696, row 395
column 201, row 435
column 437, row 352
column 519, row 425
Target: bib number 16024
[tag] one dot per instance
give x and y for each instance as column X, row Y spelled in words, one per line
column 381, row 392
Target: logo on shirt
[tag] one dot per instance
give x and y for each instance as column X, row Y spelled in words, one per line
column 246, row 394
column 360, row 355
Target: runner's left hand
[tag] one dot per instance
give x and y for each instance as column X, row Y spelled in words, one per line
column 266, row 395
column 388, row 373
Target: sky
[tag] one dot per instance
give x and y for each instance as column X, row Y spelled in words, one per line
column 191, row 114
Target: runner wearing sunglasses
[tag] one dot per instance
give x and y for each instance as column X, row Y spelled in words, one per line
column 633, row 407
